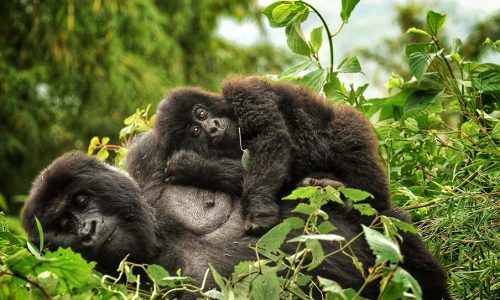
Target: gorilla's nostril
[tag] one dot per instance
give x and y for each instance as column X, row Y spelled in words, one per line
column 209, row 203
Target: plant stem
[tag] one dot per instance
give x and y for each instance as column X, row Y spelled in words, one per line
column 328, row 33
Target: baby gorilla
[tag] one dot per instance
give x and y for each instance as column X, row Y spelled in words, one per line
column 93, row 208
column 291, row 134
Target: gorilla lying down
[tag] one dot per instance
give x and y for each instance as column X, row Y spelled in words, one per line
column 99, row 211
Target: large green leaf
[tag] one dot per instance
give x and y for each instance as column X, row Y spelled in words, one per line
column 274, row 238
column 282, row 13
column 314, row 80
column 266, row 286
column 296, row 40
column 355, row 194
column 486, row 78
column 435, row 22
column 347, row 8
column 419, row 63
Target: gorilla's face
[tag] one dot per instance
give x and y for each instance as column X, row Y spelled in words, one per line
column 192, row 119
column 93, row 208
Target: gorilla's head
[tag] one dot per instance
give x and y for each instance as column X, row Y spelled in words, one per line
column 93, row 208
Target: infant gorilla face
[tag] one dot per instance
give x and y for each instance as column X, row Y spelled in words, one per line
column 199, row 211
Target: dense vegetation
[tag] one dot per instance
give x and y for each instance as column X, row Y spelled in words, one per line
column 439, row 137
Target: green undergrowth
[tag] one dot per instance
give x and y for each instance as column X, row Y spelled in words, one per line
column 439, row 136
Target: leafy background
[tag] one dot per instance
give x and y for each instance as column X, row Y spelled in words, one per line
column 71, row 71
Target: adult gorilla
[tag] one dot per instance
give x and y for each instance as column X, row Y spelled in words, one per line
column 209, row 234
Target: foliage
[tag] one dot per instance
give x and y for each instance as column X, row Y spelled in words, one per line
column 70, row 70
column 439, row 135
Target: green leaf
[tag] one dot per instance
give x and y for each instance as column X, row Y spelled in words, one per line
column 304, row 208
column 214, row 294
column 419, row 62
column 296, row 40
column 282, row 13
column 355, row 194
column 494, row 45
column 306, row 192
column 94, row 142
column 316, row 39
column 266, row 286
column 158, row 273
column 365, row 209
column 103, row 154
column 292, row 72
column 349, row 65
column 40, row 233
column 383, row 248
column 401, row 281
column 314, row 80
column 219, row 280
column 486, row 78
column 274, row 238
column 295, row 222
column 246, row 160
column 418, row 31
column 326, row 227
column 318, row 255
column 347, row 8
column 331, row 286
column 435, row 22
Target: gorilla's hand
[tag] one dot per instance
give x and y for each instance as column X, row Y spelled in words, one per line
column 183, row 166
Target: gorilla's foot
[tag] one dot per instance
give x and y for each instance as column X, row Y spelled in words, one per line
column 321, row 182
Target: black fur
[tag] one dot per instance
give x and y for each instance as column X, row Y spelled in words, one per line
column 93, row 208
column 291, row 134
column 225, row 244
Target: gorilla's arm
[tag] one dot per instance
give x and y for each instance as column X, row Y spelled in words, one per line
column 265, row 134
column 217, row 174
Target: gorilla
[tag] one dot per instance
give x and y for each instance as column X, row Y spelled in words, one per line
column 290, row 132
column 93, row 208
column 99, row 211
column 225, row 243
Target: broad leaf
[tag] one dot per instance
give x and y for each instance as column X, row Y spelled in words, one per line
column 418, row 31
column 355, row 194
column 306, row 192
column 419, row 63
column 296, row 40
column 266, row 286
column 314, row 80
column 347, row 8
column 435, row 22
column 382, row 247
column 274, row 238
column 365, row 209
column 401, row 282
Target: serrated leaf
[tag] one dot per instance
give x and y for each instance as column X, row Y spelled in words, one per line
column 296, row 40
column 355, row 194
column 401, row 281
column 158, row 273
column 246, row 160
column 486, row 78
column 293, row 71
column 274, row 238
column 349, row 65
column 214, row 294
column 401, row 225
column 306, row 192
column 435, row 22
column 347, row 8
column 304, row 208
column 281, row 12
column 318, row 255
column 314, row 80
column 316, row 39
column 219, row 280
column 328, row 285
column 266, row 286
column 495, row 45
column 295, row 223
column 419, row 62
column 383, row 248
column 326, row 227
column 418, row 31
column 365, row 209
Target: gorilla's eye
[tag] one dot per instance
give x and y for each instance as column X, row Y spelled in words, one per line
column 81, row 201
column 195, row 130
column 63, row 224
column 201, row 114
